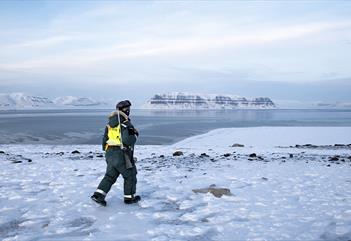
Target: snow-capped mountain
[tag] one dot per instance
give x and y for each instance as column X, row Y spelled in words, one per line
column 76, row 101
column 10, row 101
column 21, row 100
column 190, row 101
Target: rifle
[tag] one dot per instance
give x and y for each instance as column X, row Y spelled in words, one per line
column 123, row 148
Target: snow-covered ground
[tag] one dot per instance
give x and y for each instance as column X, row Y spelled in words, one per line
column 284, row 193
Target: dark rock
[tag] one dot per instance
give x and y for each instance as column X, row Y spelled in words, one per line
column 334, row 158
column 339, row 145
column 264, row 178
column 75, row 152
column 349, row 157
column 2, row 152
column 91, row 156
column 100, row 155
column 226, row 154
column 283, row 157
column 29, row 160
column 297, row 146
column 343, row 160
column 238, row 145
column 328, row 165
column 60, row 153
column 17, row 161
column 204, row 155
column 261, row 158
column 161, row 156
column 178, row 153
column 291, row 155
column 75, row 170
column 153, row 154
column 253, row 155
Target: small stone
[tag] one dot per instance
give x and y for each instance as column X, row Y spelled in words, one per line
column 91, row 156
column 264, row 178
column 204, row 155
column 60, row 153
column 214, row 190
column 334, row 158
column 75, row 152
column 2, row 152
column 297, row 146
column 75, row 170
column 161, row 156
column 328, row 165
column 29, row 160
column 17, row 161
column 339, row 145
column 226, row 154
column 261, row 158
column 100, row 155
column 253, row 155
column 178, row 153
column 291, row 155
column 238, row 145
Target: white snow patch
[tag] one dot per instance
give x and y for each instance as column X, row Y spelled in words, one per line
column 299, row 198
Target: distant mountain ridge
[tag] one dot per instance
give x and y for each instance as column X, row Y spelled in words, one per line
column 191, row 101
column 10, row 101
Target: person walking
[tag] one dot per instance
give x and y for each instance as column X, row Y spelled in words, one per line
column 118, row 143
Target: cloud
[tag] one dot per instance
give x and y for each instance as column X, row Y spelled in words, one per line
column 44, row 42
column 166, row 48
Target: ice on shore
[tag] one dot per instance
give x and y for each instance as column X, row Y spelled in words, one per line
column 283, row 193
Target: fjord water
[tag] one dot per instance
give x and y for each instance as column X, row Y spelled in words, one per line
column 155, row 126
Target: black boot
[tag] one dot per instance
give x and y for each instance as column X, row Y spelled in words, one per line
column 99, row 198
column 133, row 199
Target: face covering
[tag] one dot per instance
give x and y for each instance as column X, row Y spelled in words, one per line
column 126, row 111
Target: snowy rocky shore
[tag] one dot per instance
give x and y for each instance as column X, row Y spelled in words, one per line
column 274, row 188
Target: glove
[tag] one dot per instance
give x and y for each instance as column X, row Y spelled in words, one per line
column 133, row 131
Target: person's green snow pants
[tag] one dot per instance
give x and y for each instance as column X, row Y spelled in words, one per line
column 115, row 166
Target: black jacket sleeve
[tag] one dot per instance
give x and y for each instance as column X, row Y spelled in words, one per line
column 128, row 134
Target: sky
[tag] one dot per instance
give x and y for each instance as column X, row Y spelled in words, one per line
column 285, row 50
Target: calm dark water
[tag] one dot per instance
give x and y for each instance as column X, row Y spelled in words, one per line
column 156, row 127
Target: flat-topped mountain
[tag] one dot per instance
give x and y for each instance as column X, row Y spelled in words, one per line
column 190, row 101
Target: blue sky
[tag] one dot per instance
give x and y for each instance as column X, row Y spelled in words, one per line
column 286, row 50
